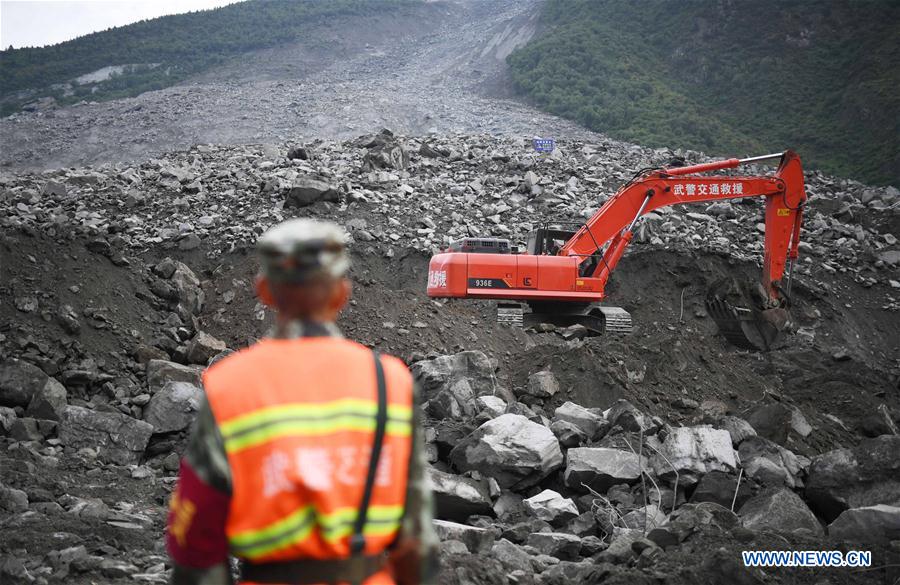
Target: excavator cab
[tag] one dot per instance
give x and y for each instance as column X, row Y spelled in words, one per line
column 548, row 240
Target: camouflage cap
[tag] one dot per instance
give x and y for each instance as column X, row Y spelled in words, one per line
column 301, row 250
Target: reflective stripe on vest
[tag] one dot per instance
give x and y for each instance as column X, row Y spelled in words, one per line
column 270, row 423
column 298, row 419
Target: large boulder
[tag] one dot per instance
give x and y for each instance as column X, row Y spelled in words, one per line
column 442, row 372
column 721, row 488
column 477, row 540
column 779, row 510
column 644, row 518
column 174, row 407
column 19, row 381
column 771, row 464
column 878, row 523
column 738, row 428
column 456, row 497
column 161, row 372
column 693, row 452
column 776, row 421
column 551, row 507
column 866, row 475
column 556, row 544
column 589, row 422
column 385, row 152
column 628, row 417
column 542, row 385
column 187, row 287
column 455, row 401
column 510, row 448
column 599, row 468
column 117, row 438
column 48, row 402
column 204, row 347
column 307, row 190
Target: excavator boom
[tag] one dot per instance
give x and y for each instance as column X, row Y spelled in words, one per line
column 571, row 277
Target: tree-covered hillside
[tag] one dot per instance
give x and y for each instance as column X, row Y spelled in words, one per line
column 164, row 50
column 728, row 76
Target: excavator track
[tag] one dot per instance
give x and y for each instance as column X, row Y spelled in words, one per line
column 599, row 320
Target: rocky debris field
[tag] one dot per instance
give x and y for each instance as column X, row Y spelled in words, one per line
column 651, row 458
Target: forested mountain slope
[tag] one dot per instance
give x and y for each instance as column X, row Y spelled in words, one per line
column 158, row 53
column 727, row 77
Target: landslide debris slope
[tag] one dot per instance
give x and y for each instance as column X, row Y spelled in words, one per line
column 120, row 283
column 429, row 68
column 652, row 458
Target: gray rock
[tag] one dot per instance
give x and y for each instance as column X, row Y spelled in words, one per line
column 693, row 452
column 542, row 385
column 31, row 429
column 512, row 557
column 779, row 510
column 568, row 434
column 442, row 372
column 628, row 417
column 187, row 288
column 161, row 372
column 385, row 152
column 7, row 418
column 738, row 428
column 720, row 487
column 54, row 189
column 867, row 475
column 590, row 423
column 644, row 518
column 456, row 497
column 204, row 347
column 13, row 500
column 556, row 544
column 455, row 401
column 585, row 524
column 551, row 507
column 174, row 407
column 776, row 420
column 491, row 406
column 619, row 549
column 879, row 523
column 477, row 540
column 116, row 437
column 771, row 464
column 599, row 468
column 19, row 381
column 48, row 402
column 307, row 190
column 511, row 449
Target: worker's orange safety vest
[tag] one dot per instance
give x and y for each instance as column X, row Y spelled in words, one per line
column 298, row 419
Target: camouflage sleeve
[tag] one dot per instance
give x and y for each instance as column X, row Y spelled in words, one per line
column 416, row 553
column 206, row 451
column 195, row 535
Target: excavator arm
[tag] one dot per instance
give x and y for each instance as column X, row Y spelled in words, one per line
column 600, row 243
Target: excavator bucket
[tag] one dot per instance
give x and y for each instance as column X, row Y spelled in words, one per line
column 747, row 328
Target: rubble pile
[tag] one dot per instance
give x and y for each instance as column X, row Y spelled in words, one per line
column 554, row 457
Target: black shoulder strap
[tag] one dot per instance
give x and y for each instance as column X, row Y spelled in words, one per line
column 358, row 539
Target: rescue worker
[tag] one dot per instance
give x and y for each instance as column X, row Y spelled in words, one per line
column 306, row 462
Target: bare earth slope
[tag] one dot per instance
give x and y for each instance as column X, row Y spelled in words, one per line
column 423, row 73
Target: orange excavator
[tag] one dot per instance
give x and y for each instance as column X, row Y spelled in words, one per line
column 561, row 276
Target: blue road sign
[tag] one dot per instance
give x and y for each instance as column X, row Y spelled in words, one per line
column 544, row 144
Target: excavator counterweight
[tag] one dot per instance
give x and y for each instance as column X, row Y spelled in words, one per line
column 562, row 275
